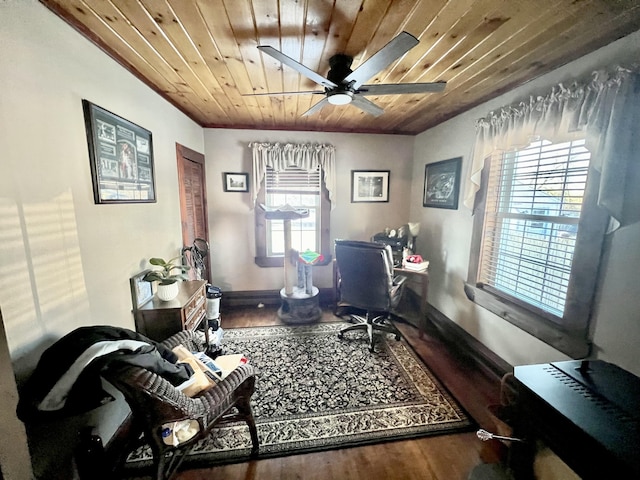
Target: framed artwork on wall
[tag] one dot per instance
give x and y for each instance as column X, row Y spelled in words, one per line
column 236, row 182
column 369, row 186
column 442, row 184
column 141, row 290
column 121, row 157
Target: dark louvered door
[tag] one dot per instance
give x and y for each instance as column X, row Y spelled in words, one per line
column 193, row 200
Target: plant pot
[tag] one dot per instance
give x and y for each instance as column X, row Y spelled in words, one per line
column 166, row 293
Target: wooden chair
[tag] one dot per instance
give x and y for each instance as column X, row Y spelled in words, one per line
column 155, row 402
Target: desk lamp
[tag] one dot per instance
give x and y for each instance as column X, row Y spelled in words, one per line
column 414, row 229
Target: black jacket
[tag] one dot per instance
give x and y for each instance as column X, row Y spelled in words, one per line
column 86, row 391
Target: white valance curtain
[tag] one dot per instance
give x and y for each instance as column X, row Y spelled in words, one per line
column 283, row 156
column 606, row 109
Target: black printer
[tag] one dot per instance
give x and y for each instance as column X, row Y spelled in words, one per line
column 397, row 240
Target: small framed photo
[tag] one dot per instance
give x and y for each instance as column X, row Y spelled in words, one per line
column 442, row 184
column 236, row 182
column 121, row 156
column 141, row 290
column 369, row 186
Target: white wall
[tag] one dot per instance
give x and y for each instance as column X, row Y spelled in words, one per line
column 231, row 218
column 70, row 259
column 66, row 260
column 446, row 236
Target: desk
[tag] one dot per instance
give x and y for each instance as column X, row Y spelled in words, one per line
column 423, row 279
column 418, row 277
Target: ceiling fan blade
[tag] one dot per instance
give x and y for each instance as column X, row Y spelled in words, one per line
column 367, row 106
column 309, row 92
column 400, row 88
column 307, row 72
column 382, row 59
column 316, row 108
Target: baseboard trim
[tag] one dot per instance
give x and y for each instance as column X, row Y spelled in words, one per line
column 251, row 298
column 466, row 345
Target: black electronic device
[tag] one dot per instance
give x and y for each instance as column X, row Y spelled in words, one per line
column 588, row 412
column 397, row 244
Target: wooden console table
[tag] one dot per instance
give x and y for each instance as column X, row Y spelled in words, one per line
column 159, row 320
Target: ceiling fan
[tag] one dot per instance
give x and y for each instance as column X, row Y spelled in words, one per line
column 343, row 86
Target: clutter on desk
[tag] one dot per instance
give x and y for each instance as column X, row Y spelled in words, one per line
column 399, row 239
column 415, row 263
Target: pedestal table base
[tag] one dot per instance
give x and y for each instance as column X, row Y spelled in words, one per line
column 300, row 307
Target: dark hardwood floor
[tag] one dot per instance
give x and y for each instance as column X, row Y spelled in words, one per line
column 445, row 457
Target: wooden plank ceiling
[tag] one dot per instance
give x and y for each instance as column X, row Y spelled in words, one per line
column 201, row 55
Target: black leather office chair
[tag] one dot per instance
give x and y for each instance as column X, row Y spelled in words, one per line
column 366, row 282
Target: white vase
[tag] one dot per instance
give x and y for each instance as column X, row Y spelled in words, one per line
column 166, row 293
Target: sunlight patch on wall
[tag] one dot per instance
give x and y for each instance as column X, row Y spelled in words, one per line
column 45, row 294
column 16, row 297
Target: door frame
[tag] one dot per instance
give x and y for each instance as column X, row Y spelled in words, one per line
column 184, row 153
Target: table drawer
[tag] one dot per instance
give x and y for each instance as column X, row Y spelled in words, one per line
column 195, row 310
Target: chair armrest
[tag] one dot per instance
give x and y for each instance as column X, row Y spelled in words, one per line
column 220, row 397
column 187, row 338
column 396, row 290
column 155, row 401
column 399, row 280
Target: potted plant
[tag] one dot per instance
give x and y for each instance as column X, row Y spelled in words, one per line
column 167, row 277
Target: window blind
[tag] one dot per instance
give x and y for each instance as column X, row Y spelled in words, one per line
column 292, row 181
column 533, row 205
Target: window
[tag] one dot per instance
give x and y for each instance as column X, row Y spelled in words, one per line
column 301, row 189
column 537, row 241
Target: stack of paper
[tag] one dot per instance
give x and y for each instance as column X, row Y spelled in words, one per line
column 207, row 371
column 226, row 363
column 417, row 267
column 202, row 377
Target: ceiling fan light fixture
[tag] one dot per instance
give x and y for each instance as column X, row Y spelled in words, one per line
column 343, row 86
column 340, row 98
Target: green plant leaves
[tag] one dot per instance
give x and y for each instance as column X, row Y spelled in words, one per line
column 164, row 276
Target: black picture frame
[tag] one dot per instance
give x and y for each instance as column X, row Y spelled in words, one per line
column 121, row 157
column 236, row 182
column 370, row 186
column 442, row 184
column 141, row 290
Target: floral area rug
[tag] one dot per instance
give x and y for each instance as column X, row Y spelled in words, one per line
column 315, row 391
